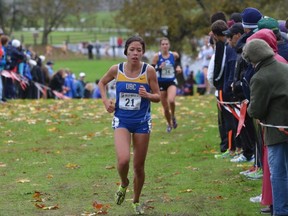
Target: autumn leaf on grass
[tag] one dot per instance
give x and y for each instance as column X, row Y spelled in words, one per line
column 23, row 180
column 49, row 176
column 192, row 168
column 217, row 197
column 186, row 191
column 110, row 167
column 72, row 166
column 166, row 199
column 42, row 206
column 2, row 164
column 37, row 196
column 101, row 208
column 54, row 129
column 88, row 214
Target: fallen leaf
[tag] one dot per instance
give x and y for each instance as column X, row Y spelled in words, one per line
column 186, row 191
column 110, row 167
column 2, row 164
column 49, row 176
column 42, row 206
column 88, row 214
column 23, row 181
column 54, row 129
column 72, row 166
column 101, row 208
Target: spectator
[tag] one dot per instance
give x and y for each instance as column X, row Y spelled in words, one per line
column 80, row 86
column 49, row 65
column 57, row 83
column 268, row 103
column 98, row 47
column 90, row 50
column 96, row 91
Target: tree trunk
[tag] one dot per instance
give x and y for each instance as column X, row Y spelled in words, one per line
column 45, row 37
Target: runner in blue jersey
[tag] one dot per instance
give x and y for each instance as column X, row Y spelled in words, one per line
column 164, row 62
column 136, row 87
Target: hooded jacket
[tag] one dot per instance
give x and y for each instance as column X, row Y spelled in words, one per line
column 269, row 90
column 268, row 36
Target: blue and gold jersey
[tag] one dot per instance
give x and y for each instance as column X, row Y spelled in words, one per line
column 167, row 74
column 130, row 106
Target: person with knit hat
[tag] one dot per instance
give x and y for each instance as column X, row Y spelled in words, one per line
column 268, row 104
column 250, row 17
column 271, row 23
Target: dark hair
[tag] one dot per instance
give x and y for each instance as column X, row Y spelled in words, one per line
column 163, row 38
column 218, row 16
column 133, row 39
column 218, row 27
column 4, row 40
column 236, row 17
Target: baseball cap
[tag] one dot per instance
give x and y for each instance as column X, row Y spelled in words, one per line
column 82, row 74
column 268, row 23
column 16, row 43
column 234, row 29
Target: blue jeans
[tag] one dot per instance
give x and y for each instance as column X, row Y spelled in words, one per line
column 278, row 164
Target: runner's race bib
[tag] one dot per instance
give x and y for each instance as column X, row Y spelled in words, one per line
column 129, row 101
column 168, row 71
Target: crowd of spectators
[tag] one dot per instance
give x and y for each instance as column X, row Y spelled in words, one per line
column 27, row 75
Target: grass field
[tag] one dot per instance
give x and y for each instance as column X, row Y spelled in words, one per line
column 94, row 69
column 100, row 26
column 60, row 154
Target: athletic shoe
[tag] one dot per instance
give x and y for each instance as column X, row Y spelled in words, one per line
column 168, row 129
column 256, row 199
column 138, row 208
column 266, row 210
column 258, row 174
column 239, row 159
column 120, row 195
column 252, row 159
column 174, row 123
column 252, row 169
column 226, row 154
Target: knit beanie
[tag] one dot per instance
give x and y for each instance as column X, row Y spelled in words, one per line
column 250, row 17
column 256, row 51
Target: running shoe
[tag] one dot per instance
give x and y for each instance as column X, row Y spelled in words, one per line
column 174, row 123
column 239, row 159
column 258, row 174
column 120, row 195
column 245, row 172
column 224, row 155
column 168, row 129
column 256, row 199
column 252, row 159
column 138, row 208
column 266, row 210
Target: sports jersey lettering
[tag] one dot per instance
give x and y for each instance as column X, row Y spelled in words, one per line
column 130, row 86
column 130, row 107
column 129, row 101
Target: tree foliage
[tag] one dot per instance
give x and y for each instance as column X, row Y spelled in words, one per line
column 185, row 19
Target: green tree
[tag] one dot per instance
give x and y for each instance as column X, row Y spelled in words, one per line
column 184, row 20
